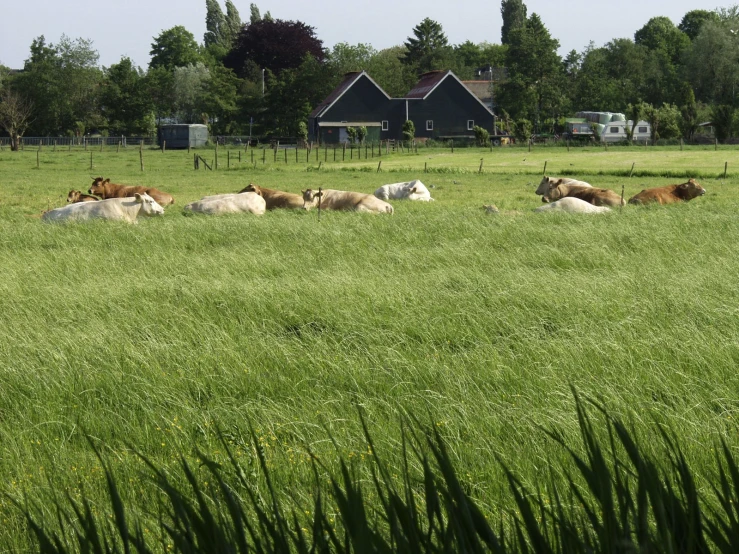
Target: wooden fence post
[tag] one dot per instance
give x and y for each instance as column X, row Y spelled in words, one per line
column 38, row 155
column 164, row 146
column 726, row 167
column 141, row 157
column 632, row 170
column 379, row 164
column 90, row 161
column 545, row 168
column 480, row 170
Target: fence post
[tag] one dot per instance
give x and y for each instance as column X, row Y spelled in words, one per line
column 38, row 155
column 164, row 146
column 90, row 161
column 726, row 167
column 378, row 166
column 285, row 155
column 452, row 146
column 215, row 161
column 545, row 168
column 102, row 141
column 632, row 170
column 425, row 167
column 228, row 159
column 480, row 170
column 343, row 152
column 264, row 155
column 118, row 148
column 141, row 157
column 54, row 146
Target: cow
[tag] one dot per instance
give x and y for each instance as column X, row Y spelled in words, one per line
column 572, row 205
column 75, row 196
column 344, row 200
column 597, row 197
column 105, row 189
column 546, row 181
column 411, row 190
column 669, row 194
column 245, row 202
column 117, row 209
column 276, row 198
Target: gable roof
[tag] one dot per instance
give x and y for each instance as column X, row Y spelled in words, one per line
column 427, row 83
column 432, row 79
column 349, row 80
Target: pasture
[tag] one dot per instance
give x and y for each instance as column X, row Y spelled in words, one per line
column 150, row 337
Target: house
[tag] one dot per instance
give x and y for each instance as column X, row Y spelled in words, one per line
column 440, row 106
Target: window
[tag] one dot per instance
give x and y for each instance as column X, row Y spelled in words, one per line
column 614, row 129
column 470, row 124
column 642, row 129
column 385, row 125
column 429, row 124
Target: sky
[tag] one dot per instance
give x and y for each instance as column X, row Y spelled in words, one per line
column 121, row 28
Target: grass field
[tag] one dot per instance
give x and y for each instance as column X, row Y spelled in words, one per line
column 149, row 337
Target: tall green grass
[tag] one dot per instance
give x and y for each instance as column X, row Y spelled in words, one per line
column 151, row 337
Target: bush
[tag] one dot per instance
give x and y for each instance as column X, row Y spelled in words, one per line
column 481, row 135
column 409, row 130
column 522, row 130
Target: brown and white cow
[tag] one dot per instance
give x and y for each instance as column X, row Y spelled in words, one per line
column 547, row 181
column 669, row 194
column 117, row 209
column 344, row 200
column 105, row 189
column 75, row 196
column 597, row 197
column 276, row 198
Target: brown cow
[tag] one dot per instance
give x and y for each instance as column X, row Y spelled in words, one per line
column 669, row 194
column 75, row 196
column 276, row 198
column 597, row 197
column 105, row 189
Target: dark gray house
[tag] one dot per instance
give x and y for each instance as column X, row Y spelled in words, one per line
column 439, row 105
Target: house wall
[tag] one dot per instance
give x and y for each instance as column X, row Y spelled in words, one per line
column 449, row 106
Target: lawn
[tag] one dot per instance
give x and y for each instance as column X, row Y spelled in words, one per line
column 150, row 337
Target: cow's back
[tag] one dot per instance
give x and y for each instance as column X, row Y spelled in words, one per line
column 246, row 202
column 162, row 198
column 596, row 197
column 353, row 201
column 572, row 205
column 660, row 195
column 410, row 190
column 116, row 209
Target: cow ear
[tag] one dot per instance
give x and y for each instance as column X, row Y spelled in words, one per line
column 106, row 181
column 413, row 190
column 137, row 196
column 319, row 193
column 303, row 192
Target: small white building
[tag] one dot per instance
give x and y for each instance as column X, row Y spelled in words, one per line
column 615, row 131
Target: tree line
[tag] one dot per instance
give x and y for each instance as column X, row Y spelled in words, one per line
column 262, row 77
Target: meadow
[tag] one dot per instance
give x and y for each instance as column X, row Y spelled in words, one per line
column 155, row 338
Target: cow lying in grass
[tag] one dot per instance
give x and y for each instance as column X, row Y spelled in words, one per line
column 344, row 200
column 219, row 204
column 105, row 189
column 669, row 194
column 411, row 190
column 572, row 205
column 597, row 197
column 75, row 196
column 546, row 182
column 117, row 209
column 276, row 198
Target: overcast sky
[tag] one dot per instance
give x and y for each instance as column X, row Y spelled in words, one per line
column 126, row 27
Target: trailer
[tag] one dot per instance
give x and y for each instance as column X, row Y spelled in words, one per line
column 616, row 131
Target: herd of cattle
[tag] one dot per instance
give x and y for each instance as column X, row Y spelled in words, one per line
column 106, row 200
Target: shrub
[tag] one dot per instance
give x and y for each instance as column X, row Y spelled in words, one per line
column 482, row 136
column 409, row 130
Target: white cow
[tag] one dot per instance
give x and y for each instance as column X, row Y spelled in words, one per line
column 119, row 209
column 544, row 186
column 572, row 205
column 411, row 190
column 344, row 200
column 245, row 202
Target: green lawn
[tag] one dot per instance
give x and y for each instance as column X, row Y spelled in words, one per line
column 147, row 337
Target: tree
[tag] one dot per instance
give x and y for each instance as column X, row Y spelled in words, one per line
column 233, row 22
column 634, row 113
column 351, row 133
column 408, row 130
column 255, row 17
column 189, row 83
column 274, row 45
column 535, row 73
column 429, row 48
column 688, row 114
column 388, row 71
column 693, row 21
column 15, row 115
column 344, row 57
column 723, row 117
column 712, row 63
column 522, row 130
column 361, row 134
column 661, row 34
column 175, row 47
column 125, row 102
column 481, row 135
column 514, row 17
column 215, row 25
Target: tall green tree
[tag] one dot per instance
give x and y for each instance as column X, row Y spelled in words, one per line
column 428, row 48
column 125, row 102
column 713, row 63
column 215, row 24
column 514, row 17
column 388, row 70
column 175, row 47
column 693, row 21
column 535, row 85
column 233, row 22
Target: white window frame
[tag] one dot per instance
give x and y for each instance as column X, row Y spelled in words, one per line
column 385, row 125
column 429, row 124
column 470, row 124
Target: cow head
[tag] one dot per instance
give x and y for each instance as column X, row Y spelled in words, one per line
column 73, row 196
column 149, row 206
column 310, row 198
column 543, row 187
column 691, row 190
column 252, row 188
column 98, row 187
column 553, row 192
